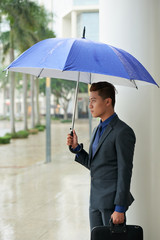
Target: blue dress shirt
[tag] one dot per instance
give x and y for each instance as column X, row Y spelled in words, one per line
column 101, row 128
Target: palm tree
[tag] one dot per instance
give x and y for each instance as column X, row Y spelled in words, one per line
column 23, row 14
column 25, row 105
column 3, row 86
column 35, row 20
column 38, row 121
column 9, row 40
column 32, row 101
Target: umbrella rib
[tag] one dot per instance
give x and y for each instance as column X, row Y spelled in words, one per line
column 75, row 102
column 90, row 77
column 134, row 82
column 40, row 72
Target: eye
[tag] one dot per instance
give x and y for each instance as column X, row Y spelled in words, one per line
column 92, row 100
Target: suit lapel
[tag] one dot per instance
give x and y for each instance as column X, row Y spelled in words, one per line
column 92, row 139
column 103, row 137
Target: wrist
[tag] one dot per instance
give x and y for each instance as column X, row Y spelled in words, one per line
column 120, row 209
column 75, row 146
column 77, row 149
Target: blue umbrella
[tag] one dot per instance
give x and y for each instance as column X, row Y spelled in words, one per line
column 81, row 60
column 67, row 57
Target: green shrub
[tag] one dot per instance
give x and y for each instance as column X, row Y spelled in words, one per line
column 20, row 134
column 66, row 121
column 8, row 135
column 4, row 118
column 40, row 125
column 40, row 129
column 5, row 139
column 55, row 118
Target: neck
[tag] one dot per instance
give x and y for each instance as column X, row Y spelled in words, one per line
column 107, row 115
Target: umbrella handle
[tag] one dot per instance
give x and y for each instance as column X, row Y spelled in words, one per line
column 70, row 147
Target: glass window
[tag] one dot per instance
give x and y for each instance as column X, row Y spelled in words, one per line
column 85, row 2
column 91, row 21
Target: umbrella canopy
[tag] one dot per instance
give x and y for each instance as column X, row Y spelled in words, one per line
column 71, row 58
column 81, row 60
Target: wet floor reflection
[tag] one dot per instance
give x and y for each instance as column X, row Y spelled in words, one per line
column 44, row 201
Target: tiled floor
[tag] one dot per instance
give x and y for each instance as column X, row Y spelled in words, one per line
column 44, row 201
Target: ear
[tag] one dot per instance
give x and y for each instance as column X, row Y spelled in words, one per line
column 108, row 102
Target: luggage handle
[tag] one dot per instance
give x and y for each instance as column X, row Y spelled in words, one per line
column 117, row 228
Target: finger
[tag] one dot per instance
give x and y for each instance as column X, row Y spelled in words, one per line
column 119, row 221
column 122, row 220
column 114, row 221
column 69, row 143
column 69, row 135
column 74, row 133
column 70, row 138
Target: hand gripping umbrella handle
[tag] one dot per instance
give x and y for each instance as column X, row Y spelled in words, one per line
column 70, row 147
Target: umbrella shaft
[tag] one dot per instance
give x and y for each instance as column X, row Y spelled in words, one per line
column 75, row 102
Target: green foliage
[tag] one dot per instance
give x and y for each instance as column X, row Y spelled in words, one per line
column 66, row 121
column 40, row 127
column 2, row 118
column 8, row 134
column 63, row 89
column 57, row 86
column 20, row 134
column 28, row 23
column 55, row 118
column 3, row 79
column 6, row 139
column 83, row 87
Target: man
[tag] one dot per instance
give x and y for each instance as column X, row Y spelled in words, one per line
column 110, row 158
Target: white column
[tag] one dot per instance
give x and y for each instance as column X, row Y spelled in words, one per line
column 134, row 27
column 74, row 24
column 155, row 113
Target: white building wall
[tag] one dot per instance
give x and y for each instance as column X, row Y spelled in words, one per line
column 134, row 26
column 60, row 8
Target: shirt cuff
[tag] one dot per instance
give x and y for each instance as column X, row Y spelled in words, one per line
column 120, row 209
column 77, row 148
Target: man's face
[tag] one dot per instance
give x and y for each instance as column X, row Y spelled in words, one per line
column 97, row 106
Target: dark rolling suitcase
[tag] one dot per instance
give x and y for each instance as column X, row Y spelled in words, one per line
column 117, row 232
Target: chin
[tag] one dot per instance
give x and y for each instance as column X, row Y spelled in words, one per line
column 94, row 115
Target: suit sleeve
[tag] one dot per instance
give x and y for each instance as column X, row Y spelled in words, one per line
column 125, row 143
column 83, row 158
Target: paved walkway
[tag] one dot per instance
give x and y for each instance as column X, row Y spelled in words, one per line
column 41, row 201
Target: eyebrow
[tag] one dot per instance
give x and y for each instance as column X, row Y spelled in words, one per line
column 92, row 98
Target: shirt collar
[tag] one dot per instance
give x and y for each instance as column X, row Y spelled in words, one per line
column 107, row 121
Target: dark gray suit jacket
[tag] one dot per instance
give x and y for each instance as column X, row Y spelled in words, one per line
column 111, row 166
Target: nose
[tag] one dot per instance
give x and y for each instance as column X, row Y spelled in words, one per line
column 90, row 105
